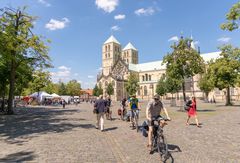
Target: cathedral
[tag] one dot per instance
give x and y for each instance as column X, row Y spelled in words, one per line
column 118, row 62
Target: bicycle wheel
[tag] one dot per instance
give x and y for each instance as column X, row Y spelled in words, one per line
column 162, row 147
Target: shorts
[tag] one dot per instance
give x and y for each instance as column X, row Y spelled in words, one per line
column 151, row 123
column 132, row 113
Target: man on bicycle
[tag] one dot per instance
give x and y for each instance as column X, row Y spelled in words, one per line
column 134, row 107
column 153, row 110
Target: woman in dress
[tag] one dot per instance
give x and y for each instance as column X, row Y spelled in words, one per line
column 192, row 111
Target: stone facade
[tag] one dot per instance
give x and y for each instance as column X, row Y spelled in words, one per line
column 117, row 64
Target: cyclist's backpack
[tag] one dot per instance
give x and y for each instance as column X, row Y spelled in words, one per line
column 134, row 102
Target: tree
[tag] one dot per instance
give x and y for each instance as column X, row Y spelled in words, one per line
column 110, row 89
column 206, row 83
column 20, row 45
column 233, row 17
column 183, row 62
column 225, row 70
column 40, row 80
column 96, row 91
column 161, row 86
column 51, row 88
column 73, row 88
column 132, row 84
column 62, row 88
column 172, row 85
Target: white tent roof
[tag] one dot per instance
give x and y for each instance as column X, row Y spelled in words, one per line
column 111, row 39
column 55, row 95
column 129, row 46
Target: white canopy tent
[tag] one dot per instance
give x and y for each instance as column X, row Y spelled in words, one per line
column 54, row 95
column 40, row 96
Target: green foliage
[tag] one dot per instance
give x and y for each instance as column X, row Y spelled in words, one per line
column 95, row 91
column 62, row 88
column 110, row 89
column 225, row 70
column 100, row 91
column 132, row 84
column 40, row 80
column 183, row 62
column 172, row 85
column 73, row 88
column 233, row 17
column 206, row 83
column 18, row 46
column 161, row 86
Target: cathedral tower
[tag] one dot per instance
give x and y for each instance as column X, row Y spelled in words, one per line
column 130, row 54
column 111, row 50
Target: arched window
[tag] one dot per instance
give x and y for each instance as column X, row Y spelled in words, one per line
column 143, row 78
column 149, row 77
column 146, row 77
column 106, row 55
column 145, row 90
column 108, row 47
column 100, row 85
column 127, row 60
column 105, row 48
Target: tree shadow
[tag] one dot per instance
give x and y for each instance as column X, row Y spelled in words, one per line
column 18, row 157
column 20, row 128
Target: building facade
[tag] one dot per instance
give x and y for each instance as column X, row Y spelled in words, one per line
column 118, row 62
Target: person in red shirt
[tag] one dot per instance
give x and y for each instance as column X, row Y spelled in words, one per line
column 192, row 112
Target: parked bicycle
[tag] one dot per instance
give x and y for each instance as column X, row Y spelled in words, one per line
column 159, row 141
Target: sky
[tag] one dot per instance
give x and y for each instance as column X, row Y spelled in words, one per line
column 78, row 28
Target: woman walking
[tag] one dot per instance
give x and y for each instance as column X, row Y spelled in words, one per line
column 192, row 111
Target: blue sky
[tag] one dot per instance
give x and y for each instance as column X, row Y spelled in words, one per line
column 78, row 28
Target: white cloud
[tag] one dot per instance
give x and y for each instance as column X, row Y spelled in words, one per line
column 146, row 12
column 115, row 28
column 107, row 5
column 57, row 24
column 119, row 17
column 174, row 38
column 224, row 39
column 99, row 69
column 64, row 68
column 44, row 3
column 90, row 76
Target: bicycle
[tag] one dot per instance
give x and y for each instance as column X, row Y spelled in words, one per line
column 135, row 119
column 159, row 141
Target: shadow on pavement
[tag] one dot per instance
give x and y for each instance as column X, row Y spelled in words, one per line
column 206, row 110
column 18, row 157
column 110, row 129
column 17, row 129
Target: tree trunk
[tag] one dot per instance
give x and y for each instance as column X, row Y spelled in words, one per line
column 183, row 89
column 206, row 94
column 228, row 97
column 3, row 97
column 11, row 87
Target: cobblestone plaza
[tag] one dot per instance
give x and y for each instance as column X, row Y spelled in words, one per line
column 69, row 135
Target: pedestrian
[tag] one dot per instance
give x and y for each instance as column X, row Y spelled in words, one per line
column 122, row 108
column 108, row 108
column 192, row 112
column 99, row 109
column 63, row 104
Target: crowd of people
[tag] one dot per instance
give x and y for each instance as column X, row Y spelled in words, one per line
column 130, row 107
